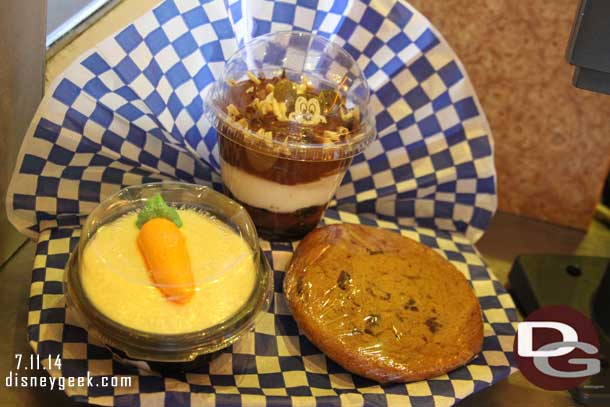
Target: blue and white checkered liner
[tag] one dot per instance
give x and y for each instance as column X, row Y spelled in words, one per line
column 130, row 111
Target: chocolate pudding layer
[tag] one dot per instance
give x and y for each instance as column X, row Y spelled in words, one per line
column 277, row 168
column 283, row 226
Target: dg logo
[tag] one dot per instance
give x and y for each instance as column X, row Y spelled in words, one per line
column 557, row 348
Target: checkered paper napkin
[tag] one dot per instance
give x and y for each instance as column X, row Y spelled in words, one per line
column 130, row 111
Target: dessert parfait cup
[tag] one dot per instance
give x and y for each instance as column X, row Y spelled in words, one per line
column 163, row 351
column 285, row 173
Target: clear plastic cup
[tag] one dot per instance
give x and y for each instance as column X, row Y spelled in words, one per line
column 180, row 350
column 286, row 179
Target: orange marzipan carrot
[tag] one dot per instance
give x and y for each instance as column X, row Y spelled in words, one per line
column 164, row 250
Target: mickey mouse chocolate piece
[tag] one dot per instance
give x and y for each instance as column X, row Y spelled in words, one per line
column 307, row 111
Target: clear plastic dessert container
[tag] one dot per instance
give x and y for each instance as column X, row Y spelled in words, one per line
column 291, row 110
column 167, row 349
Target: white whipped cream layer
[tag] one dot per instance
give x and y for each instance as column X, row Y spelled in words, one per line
column 275, row 197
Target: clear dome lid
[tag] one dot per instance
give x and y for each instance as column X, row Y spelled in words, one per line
column 308, row 61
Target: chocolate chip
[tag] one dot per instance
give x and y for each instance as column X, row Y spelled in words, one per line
column 410, row 305
column 344, row 280
column 433, row 324
column 371, row 321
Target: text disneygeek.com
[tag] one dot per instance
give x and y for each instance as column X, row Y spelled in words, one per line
column 17, row 378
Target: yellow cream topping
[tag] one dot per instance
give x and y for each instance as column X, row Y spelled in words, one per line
column 117, row 282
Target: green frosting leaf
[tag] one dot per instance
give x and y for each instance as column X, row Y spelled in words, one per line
column 157, row 208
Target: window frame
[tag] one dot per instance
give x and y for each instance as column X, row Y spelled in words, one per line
column 75, row 25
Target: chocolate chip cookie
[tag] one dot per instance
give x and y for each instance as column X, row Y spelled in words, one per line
column 382, row 305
